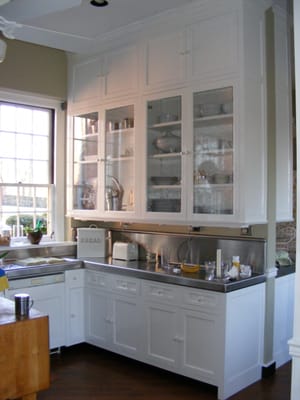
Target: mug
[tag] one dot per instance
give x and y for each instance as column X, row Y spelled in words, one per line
column 22, row 305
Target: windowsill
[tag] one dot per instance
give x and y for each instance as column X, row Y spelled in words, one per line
column 24, row 244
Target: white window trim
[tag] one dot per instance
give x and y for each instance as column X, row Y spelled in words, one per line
column 59, row 150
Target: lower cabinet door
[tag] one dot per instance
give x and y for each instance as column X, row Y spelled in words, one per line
column 126, row 329
column 162, row 341
column 201, row 347
column 98, row 320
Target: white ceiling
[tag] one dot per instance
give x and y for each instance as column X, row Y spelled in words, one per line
column 75, row 25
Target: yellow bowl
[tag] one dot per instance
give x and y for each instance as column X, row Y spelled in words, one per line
column 190, row 267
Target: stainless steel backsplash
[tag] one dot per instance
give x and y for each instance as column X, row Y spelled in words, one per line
column 198, row 249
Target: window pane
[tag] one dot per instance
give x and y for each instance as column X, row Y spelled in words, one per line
column 23, row 146
column 25, row 159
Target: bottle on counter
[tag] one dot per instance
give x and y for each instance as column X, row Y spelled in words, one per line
column 236, row 262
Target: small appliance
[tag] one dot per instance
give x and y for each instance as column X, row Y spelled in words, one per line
column 125, row 251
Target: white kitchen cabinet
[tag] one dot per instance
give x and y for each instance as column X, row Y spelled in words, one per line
column 204, row 49
column 49, row 299
column 112, row 313
column 102, row 164
column 213, row 152
column 165, row 61
column 196, row 333
column 164, row 169
column 119, row 160
column 214, row 54
column 74, row 295
column 213, row 46
column 194, row 170
column 284, row 120
column 98, row 319
column 86, row 83
column 83, row 164
column 121, row 72
column 126, row 316
column 283, row 317
column 161, row 325
column 201, row 335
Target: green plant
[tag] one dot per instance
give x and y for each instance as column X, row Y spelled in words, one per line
column 39, row 227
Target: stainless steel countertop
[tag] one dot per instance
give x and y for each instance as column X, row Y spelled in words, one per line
column 14, row 271
column 136, row 269
column 150, row 271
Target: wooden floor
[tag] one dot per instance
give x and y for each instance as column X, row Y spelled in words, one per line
column 85, row 372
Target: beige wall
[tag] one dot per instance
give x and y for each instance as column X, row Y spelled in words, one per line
column 35, row 69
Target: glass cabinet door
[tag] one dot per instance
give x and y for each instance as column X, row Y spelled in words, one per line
column 164, row 130
column 85, row 161
column 119, row 159
column 213, row 152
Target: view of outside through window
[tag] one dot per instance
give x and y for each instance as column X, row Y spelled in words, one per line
column 25, row 168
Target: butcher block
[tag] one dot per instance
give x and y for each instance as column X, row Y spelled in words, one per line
column 24, row 353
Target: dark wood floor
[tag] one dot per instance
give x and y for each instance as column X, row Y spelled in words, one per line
column 85, row 372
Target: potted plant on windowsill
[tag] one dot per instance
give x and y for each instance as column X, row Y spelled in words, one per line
column 34, row 235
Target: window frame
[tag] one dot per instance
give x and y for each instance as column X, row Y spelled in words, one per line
column 59, row 151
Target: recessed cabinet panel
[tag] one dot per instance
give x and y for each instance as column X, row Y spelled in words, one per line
column 213, row 152
column 119, row 159
column 165, row 60
column 86, row 82
column 164, row 155
column 121, row 72
column 213, row 46
column 85, row 161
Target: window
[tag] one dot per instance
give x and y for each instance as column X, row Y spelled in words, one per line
column 26, row 167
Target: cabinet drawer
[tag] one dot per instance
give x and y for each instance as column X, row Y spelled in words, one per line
column 98, row 279
column 122, row 284
column 75, row 278
column 204, row 299
column 166, row 293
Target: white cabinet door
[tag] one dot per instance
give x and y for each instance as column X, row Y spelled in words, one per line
column 121, row 72
column 126, row 325
column 200, row 347
column 164, row 177
column 213, row 47
column 126, row 311
column 74, row 287
column 86, row 83
column 49, row 299
column 283, row 318
column 83, row 164
column 165, row 61
column 98, row 318
column 119, row 163
column 162, row 343
column 284, row 120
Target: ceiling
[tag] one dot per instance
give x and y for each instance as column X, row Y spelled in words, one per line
column 75, row 25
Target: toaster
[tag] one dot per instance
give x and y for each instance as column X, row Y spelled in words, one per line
column 125, row 251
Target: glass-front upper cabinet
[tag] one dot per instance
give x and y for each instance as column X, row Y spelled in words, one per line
column 164, row 159
column 85, row 161
column 213, row 152
column 119, row 159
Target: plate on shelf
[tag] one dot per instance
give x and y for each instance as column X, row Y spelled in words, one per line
column 207, row 168
column 164, row 180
